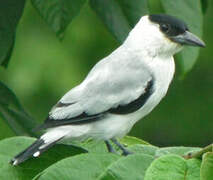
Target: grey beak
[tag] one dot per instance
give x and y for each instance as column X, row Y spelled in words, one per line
column 187, row 38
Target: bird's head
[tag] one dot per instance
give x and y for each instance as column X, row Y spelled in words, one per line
column 162, row 34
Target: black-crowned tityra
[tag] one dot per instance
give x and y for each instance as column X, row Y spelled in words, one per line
column 120, row 89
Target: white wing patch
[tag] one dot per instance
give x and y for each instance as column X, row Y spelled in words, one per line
column 36, row 154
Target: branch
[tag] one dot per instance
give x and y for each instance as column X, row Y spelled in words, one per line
column 199, row 154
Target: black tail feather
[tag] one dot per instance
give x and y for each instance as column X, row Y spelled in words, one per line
column 33, row 150
column 27, row 153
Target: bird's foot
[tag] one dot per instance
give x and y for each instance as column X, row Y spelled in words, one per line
column 110, row 147
column 125, row 152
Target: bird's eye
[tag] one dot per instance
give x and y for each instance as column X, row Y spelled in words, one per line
column 165, row 28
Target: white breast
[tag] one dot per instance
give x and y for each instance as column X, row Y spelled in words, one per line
column 163, row 72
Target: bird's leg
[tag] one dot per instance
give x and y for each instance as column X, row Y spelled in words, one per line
column 109, row 147
column 123, row 149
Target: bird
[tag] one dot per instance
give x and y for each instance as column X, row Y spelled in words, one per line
column 119, row 90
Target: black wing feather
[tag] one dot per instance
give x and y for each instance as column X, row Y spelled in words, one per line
column 85, row 118
column 136, row 104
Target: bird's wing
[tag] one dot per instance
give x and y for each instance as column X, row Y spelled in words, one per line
column 114, row 85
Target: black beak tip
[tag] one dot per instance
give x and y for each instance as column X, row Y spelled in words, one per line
column 195, row 41
column 189, row 39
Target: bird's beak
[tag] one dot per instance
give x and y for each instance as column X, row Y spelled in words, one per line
column 187, row 38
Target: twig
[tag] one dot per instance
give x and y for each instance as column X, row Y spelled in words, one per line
column 199, row 154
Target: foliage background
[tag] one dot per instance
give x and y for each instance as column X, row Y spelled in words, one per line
column 42, row 69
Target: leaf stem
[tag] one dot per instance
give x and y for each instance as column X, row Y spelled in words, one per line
column 199, row 154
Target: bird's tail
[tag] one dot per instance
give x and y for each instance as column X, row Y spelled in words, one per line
column 34, row 150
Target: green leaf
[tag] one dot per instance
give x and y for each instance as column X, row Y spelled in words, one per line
column 93, row 146
column 134, row 10
column 85, row 166
column 130, row 167
column 143, row 149
column 112, row 16
column 9, row 54
column 192, row 15
column 206, row 172
column 166, row 168
column 12, row 146
column 204, row 4
column 130, row 140
column 155, row 7
column 58, row 13
column 176, row 150
column 173, row 167
column 193, row 172
column 13, row 114
column 100, row 146
column 10, row 13
column 119, row 16
column 7, row 97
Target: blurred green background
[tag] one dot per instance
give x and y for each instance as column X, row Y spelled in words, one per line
column 42, row 69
